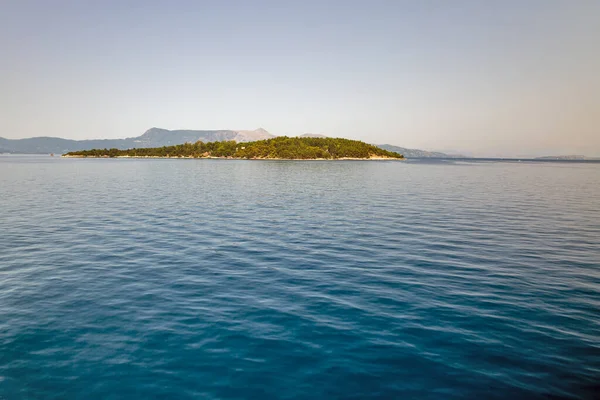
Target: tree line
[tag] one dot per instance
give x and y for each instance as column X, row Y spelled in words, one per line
column 276, row 148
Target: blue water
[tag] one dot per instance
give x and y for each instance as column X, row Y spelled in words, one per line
column 140, row 279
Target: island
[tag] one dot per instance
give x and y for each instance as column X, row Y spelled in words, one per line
column 278, row 148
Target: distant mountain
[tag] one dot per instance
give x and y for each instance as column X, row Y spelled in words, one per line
column 154, row 137
column 251, row 136
column 415, row 153
column 312, row 135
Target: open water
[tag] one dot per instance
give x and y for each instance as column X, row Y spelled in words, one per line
column 227, row 279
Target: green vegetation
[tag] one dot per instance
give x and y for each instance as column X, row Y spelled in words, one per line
column 282, row 147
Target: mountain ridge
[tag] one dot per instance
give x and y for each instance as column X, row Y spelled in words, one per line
column 159, row 137
column 153, row 137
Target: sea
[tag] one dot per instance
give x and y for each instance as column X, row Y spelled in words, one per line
column 242, row 279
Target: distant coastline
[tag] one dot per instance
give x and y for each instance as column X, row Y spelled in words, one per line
column 567, row 158
column 157, row 137
column 416, row 153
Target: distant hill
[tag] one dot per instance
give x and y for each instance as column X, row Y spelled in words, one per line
column 154, row 137
column 281, row 147
column 415, row 153
column 312, row 135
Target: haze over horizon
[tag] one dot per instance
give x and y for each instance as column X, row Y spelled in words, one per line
column 487, row 79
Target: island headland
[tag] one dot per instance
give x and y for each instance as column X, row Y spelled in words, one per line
column 278, row 148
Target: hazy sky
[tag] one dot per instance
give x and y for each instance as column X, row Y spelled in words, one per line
column 478, row 77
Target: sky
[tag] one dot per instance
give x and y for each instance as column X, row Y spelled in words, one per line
column 481, row 78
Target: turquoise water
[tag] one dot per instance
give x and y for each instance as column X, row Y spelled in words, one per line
column 298, row 280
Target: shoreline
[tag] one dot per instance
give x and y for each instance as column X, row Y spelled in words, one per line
column 376, row 158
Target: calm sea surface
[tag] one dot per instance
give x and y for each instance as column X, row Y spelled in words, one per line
column 139, row 279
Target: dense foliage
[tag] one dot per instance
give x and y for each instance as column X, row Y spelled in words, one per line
column 279, row 147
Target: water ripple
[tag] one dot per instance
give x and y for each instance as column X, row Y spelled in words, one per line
column 240, row 279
